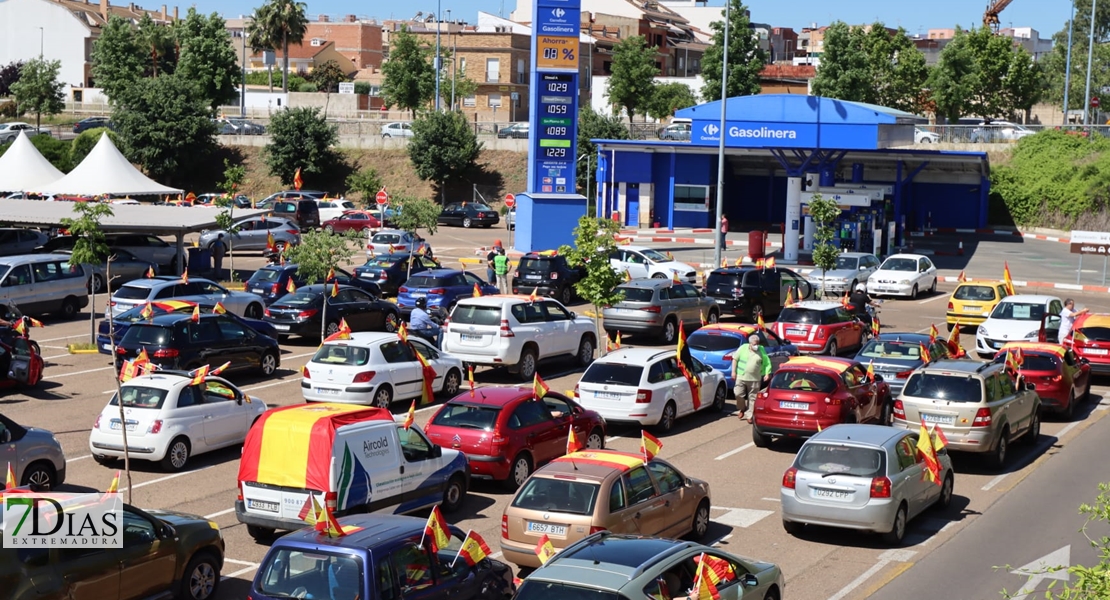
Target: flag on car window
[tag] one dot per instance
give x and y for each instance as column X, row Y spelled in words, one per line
column 649, row 445
column 539, row 388
column 473, row 550
column 436, row 531
column 410, row 418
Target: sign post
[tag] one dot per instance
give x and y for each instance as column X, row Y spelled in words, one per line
column 510, row 219
column 1090, row 242
column 382, row 200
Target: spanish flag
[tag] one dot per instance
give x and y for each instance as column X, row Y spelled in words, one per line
column 759, row 321
column 758, row 262
column 473, row 550
column 143, row 358
column 933, row 334
column 701, row 313
column 219, row 309
column 470, row 378
column 220, row 369
column 940, row 441
column 717, row 569
column 332, row 526
column 199, row 375
column 674, row 277
column 703, row 583
column 961, row 277
column 270, row 245
column 573, row 445
column 147, row 312
column 196, row 314
column 21, row 326
column 343, row 333
column 298, row 182
column 649, row 445
column 627, row 276
column 9, row 481
column 931, row 470
column 789, row 298
column 403, row 332
column 618, row 340
column 185, row 276
column 410, row 418
column 769, row 263
column 876, row 326
column 1007, row 279
column 290, row 286
column 113, row 487
column 545, row 549
column 334, row 288
column 539, row 388
column 128, row 371
column 150, row 272
column 428, row 375
column 311, row 512
column 330, row 276
column 954, row 347
column 477, row 291
column 533, row 296
column 871, row 371
column 926, row 358
column 436, row 531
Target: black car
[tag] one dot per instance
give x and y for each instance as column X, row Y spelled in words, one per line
column 301, row 312
column 305, row 213
column 122, row 322
column 272, row 282
column 745, row 291
column 468, row 214
column 391, row 271
column 175, row 341
column 547, row 274
column 92, row 123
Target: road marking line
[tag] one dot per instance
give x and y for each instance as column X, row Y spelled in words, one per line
column 77, row 458
column 52, row 377
column 722, row 539
column 997, row 480
column 495, row 555
column 735, row 451
column 166, row 478
column 937, row 297
column 772, row 499
column 884, row 559
column 612, row 438
column 890, row 576
column 242, row 571
column 240, row 562
column 1067, row 428
column 220, row 514
column 267, row 385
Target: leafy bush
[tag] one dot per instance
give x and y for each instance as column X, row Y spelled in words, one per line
column 84, row 142
column 263, row 78
column 300, row 138
column 307, row 87
column 362, row 87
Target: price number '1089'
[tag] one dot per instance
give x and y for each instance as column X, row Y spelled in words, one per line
column 556, row 131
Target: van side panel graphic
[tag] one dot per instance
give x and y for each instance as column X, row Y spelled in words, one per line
column 354, row 481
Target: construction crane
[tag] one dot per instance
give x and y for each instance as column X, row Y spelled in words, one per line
column 990, row 17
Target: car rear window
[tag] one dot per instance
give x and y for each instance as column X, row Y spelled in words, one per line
column 537, row 264
column 128, row 292
column 951, row 388
column 472, row 314
column 974, row 293
column 1096, row 334
column 265, row 276
column 423, row 281
column 1039, row 362
column 828, row 458
column 800, row 315
column 339, row 354
column 713, row 342
column 891, row 350
column 285, row 207
column 722, row 280
column 156, row 335
column 636, row 294
column 140, row 396
column 557, row 495
column 803, row 381
column 613, row 374
column 288, row 572
column 385, row 238
column 384, row 263
column 548, row 590
column 467, row 416
column 296, row 299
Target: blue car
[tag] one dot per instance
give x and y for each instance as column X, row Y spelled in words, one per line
column 123, row 321
column 896, row 355
column 442, row 287
column 383, row 556
column 389, row 271
column 272, row 282
column 714, row 345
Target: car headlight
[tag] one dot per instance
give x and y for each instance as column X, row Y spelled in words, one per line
column 982, row 331
column 1032, row 335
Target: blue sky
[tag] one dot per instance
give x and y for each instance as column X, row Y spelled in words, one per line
column 1046, row 16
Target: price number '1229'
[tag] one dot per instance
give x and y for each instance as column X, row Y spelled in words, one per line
column 555, row 153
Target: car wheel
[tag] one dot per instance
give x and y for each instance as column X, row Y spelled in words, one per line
column 897, row 528
column 520, row 471
column 366, row 231
column 945, row 497
column 760, row 439
column 566, row 296
column 913, row 292
column 719, row 398
column 526, row 368
column 713, row 317
column 329, row 229
column 69, row 308
column 383, row 397
column 331, row 328
column 586, row 351
column 104, row 460
column 792, row 527
column 392, row 321
column 701, row 520
column 268, row 363
column 933, row 288
column 596, row 439
column 39, row 476
column 201, row 578
column 1069, row 412
column 1035, row 428
column 96, row 284
column 832, row 348
column 454, row 495
column 888, row 413
column 176, row 455
column 670, row 331
column 467, row 223
column 261, row 535
column 254, row 311
column 451, row 383
column 666, row 420
column 386, row 135
column 658, row 276
column 997, row 457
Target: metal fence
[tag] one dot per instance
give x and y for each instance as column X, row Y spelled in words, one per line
column 995, row 133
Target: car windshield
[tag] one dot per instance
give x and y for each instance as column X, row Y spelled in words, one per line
column 655, row 256
column 803, row 381
column 613, row 374
column 297, row 299
column 385, row 238
column 467, row 416
column 974, row 293
column 543, row 265
column 891, row 350
column 550, row 590
column 340, row 354
column 1039, row 362
column 1095, row 334
column 295, row 573
column 384, row 263
column 473, row 314
column 147, row 335
column 800, row 315
column 425, row 281
column 635, row 294
column 1018, row 311
column 557, row 495
column 265, row 276
column 128, row 292
column 829, row 458
column 713, row 342
column 140, row 396
column 477, row 206
column 950, row 388
column 847, row 262
column 900, row 264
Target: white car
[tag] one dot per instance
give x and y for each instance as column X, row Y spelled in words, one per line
column 920, row 136
column 642, row 262
column 333, row 208
column 514, row 332
column 9, row 131
column 903, row 275
column 386, row 241
column 396, row 130
column 170, row 420
column 1018, row 318
column 1000, row 131
column 376, row 368
column 645, row 386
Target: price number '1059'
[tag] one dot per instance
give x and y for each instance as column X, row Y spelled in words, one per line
column 557, row 109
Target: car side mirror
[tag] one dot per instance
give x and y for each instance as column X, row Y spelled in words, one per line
column 437, row 451
column 1084, row 361
column 1028, row 385
column 167, row 532
column 749, row 580
column 239, row 400
column 878, row 379
column 689, row 482
column 5, row 436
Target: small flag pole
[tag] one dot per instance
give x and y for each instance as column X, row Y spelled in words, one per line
column 459, row 553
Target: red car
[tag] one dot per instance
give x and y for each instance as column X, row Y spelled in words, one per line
column 817, row 327
column 357, row 220
column 506, row 434
column 1061, row 378
column 1090, row 338
column 808, row 394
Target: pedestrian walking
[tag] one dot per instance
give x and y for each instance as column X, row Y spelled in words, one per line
column 724, row 229
column 751, row 368
column 491, row 274
column 501, row 269
column 219, row 249
column 1068, row 315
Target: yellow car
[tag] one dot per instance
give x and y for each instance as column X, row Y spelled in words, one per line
column 972, row 301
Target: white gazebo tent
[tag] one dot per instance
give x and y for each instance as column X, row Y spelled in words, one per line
column 23, row 168
column 106, row 171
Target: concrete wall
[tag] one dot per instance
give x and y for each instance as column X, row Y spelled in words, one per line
column 337, row 105
column 63, row 37
column 374, row 142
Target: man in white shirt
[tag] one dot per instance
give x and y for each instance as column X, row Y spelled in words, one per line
column 1068, row 316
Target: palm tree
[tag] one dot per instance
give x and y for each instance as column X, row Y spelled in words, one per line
column 276, row 21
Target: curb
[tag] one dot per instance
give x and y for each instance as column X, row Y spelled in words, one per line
column 72, row 350
column 1022, row 234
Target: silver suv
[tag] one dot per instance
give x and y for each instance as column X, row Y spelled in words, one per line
column 34, row 454
column 978, row 405
column 656, row 306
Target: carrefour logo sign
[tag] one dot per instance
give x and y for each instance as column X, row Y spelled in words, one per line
column 711, row 129
column 762, row 132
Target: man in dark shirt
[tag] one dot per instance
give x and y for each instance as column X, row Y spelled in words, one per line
column 859, row 300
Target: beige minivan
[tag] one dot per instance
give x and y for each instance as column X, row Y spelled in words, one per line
column 44, row 283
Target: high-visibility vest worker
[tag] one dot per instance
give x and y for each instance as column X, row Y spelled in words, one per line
column 501, row 264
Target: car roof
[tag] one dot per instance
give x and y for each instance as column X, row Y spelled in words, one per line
column 829, row 363
column 390, row 231
column 731, row 328
column 869, row 434
column 609, row 561
column 589, row 464
column 1030, row 298
column 894, row 336
column 166, row 380
column 855, row 254
column 1036, row 347
column 494, row 396
column 734, row 270
column 374, row 530
column 638, row 248
column 161, row 281
column 913, row 256
column 647, row 283
column 634, row 355
column 438, row 272
column 959, row 365
column 980, row 282
column 364, row 338
column 171, row 318
column 816, row 304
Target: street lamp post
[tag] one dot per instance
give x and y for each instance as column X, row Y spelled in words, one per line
column 1067, row 65
column 1090, row 53
column 718, row 244
column 41, row 36
column 439, row 26
column 243, row 80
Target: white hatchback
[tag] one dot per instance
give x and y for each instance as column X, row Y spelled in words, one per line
column 903, row 275
column 169, row 420
column 376, row 368
column 1019, row 318
column 640, row 262
column 645, row 386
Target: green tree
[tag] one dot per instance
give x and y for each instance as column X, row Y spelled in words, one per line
column 208, row 58
column 594, row 241
column 318, row 254
column 9, row 74
column 160, row 47
column 980, row 73
column 261, row 78
column 278, row 23
column 328, row 76
column 165, row 125
column 89, row 247
column 666, row 98
column 118, row 58
column 1054, row 63
column 633, row 79
column 825, row 252
column 897, row 68
column 951, row 82
column 1024, row 84
column 366, row 183
column 593, row 125
column 300, row 138
column 38, row 89
column 844, row 72
column 234, row 177
column 443, row 147
column 408, row 77
column 414, row 214
column 745, row 58
column 86, row 140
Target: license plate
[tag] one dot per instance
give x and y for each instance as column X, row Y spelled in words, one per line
column 130, row 425
column 533, row 277
column 938, row 419
column 415, row 295
column 547, row 528
column 721, row 301
column 368, row 275
column 281, row 327
column 793, row 405
column 259, row 291
column 262, row 505
column 997, row 345
column 331, row 391
column 973, row 309
column 796, row 332
column 109, row 347
column 607, row 395
column 832, row 494
column 469, row 337
column 1095, row 351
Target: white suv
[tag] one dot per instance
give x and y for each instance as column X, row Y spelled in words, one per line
column 514, row 332
column 640, row 262
column 645, row 386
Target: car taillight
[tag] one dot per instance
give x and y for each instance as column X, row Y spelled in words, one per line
column 505, row 526
column 834, row 400
column 364, row 377
column 950, row 306
column 111, row 303
column 266, row 312
column 595, row 529
column 166, row 353
column 554, row 275
column 899, row 410
column 516, row 290
column 304, row 372
column 274, row 288
column 97, row 424
column 505, row 331
column 402, row 290
column 307, row 313
column 155, row 427
column 576, row 390
column 1053, row 378
column 643, row 396
column 820, row 333
column 383, row 275
column 121, row 350
column 789, row 478
column 498, row 440
column 330, row 500
column 903, row 374
column 880, row 487
column 437, row 291
column 652, row 309
column 292, row 231
column 727, row 358
column 983, row 418
column 240, row 496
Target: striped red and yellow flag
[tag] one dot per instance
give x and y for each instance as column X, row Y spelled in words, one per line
column 473, row 550
column 1006, row 277
column 477, row 291
column 199, row 375
column 428, row 374
column 196, row 314
column 185, row 276
column 649, row 445
column 470, row 378
column 539, row 387
column 219, row 309
column 544, row 549
column 704, row 588
column 410, row 417
column 290, row 286
column 573, row 445
column 150, row 272
column 114, row 486
column 9, row 479
column 220, row 369
column 436, row 531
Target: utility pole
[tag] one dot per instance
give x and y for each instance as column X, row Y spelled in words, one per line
column 439, row 26
column 1067, row 65
column 243, row 82
column 718, row 243
column 454, row 65
column 1090, row 53
column 41, row 34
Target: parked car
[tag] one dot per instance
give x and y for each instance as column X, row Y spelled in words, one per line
column 1021, row 317
column 390, row 271
column 515, row 131
column 385, row 215
column 254, row 233
column 303, row 312
column 150, row 247
column 442, row 288
column 895, row 356
column 352, row 220
column 715, row 344
column 117, row 326
column 170, row 420
column 269, row 201
column 92, row 123
column 1090, row 339
column 396, row 130
column 980, row 407
column 675, row 132
column 514, row 332
column 305, row 212
column 972, row 301
column 808, row 394
column 125, row 267
column 639, row 262
column 1061, row 378
column 17, row 240
column 746, row 292
column 175, row 341
column 35, row 456
column 44, row 283
column 506, row 434
column 245, row 127
column 389, row 241
column 333, row 208
column 821, row 327
column 599, row 490
column 239, row 200
column 999, row 131
column 468, row 214
column 851, row 268
column 9, row 131
column 862, row 477
column 656, row 307
column 272, row 282
column 903, row 275
column 140, row 291
column 921, row 136
column 546, row 274
column 224, row 127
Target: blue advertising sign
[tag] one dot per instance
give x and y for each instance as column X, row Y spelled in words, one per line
column 558, row 20
column 555, row 132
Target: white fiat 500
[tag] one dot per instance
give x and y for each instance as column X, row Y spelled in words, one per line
column 168, row 419
column 376, row 368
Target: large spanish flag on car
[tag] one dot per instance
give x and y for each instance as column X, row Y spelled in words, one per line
column 292, row 445
column 621, row 461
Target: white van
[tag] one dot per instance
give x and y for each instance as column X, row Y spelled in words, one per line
column 353, row 459
column 44, row 283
